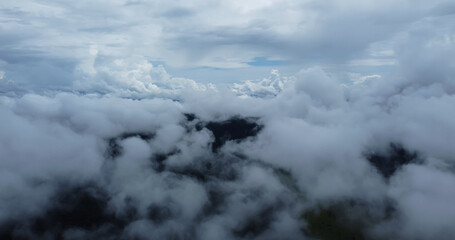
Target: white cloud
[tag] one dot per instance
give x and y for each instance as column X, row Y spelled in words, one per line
column 266, row 87
column 357, row 78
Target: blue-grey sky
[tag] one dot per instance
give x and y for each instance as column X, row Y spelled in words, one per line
column 54, row 44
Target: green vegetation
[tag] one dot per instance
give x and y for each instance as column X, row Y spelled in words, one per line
column 332, row 224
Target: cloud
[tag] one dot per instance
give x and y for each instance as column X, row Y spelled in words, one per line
column 54, row 38
column 133, row 76
column 97, row 141
column 270, row 86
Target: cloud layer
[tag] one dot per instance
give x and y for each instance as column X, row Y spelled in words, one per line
column 264, row 161
column 99, row 141
column 48, row 43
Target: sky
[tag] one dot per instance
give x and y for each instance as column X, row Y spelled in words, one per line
column 225, row 120
column 53, row 44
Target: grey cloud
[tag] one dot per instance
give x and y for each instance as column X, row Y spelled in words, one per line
column 321, row 33
column 178, row 12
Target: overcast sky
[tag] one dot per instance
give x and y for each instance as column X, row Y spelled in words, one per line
column 53, row 44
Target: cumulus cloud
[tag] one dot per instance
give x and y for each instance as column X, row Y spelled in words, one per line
column 130, row 77
column 266, row 87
